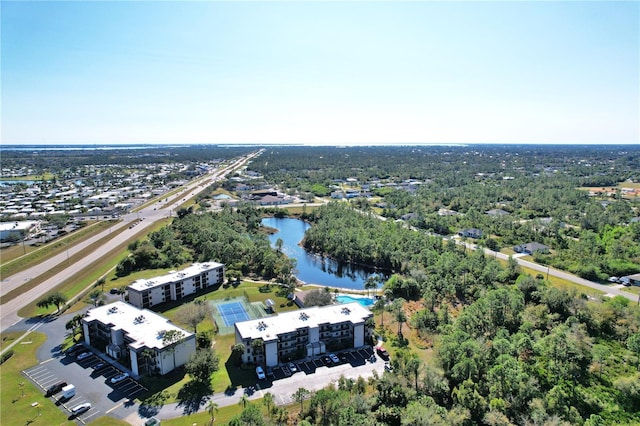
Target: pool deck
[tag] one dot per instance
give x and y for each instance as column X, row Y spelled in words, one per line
column 346, row 291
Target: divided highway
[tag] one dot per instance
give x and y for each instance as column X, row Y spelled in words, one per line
column 145, row 217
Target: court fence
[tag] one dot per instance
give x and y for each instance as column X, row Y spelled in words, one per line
column 255, row 310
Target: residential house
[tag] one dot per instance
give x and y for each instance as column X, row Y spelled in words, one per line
column 531, row 248
column 497, row 212
column 470, row 233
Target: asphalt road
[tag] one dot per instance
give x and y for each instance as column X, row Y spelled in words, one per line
column 610, row 290
column 145, row 218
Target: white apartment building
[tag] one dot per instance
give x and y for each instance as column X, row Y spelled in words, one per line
column 304, row 333
column 175, row 285
column 124, row 332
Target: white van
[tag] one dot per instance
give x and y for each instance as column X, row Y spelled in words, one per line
column 68, row 392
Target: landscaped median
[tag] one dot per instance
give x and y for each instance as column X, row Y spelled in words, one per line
column 83, row 279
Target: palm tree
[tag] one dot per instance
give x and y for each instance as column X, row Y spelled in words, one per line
column 244, row 401
column 299, row 396
column 413, row 366
column 237, row 351
column 372, row 283
column 75, row 326
column 401, row 317
column 267, row 400
column 100, row 283
column 258, row 346
column 147, row 355
column 212, row 408
column 379, row 306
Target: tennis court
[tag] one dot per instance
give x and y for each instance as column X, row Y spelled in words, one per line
column 228, row 311
column 232, row 312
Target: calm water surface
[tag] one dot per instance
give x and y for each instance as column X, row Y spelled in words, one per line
column 314, row 269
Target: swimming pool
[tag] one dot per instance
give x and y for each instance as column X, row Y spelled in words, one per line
column 364, row 301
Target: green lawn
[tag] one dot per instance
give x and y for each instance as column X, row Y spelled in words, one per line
column 223, row 416
column 169, row 388
column 15, row 399
column 14, row 258
column 632, row 289
column 84, row 278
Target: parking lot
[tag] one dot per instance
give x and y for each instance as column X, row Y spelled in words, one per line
column 355, row 357
column 92, row 377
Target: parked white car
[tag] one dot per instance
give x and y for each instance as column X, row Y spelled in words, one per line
column 81, row 408
column 119, row 378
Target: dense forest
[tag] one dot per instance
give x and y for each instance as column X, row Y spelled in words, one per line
column 473, row 340
column 230, row 236
column 506, row 348
column 537, row 191
column 56, row 160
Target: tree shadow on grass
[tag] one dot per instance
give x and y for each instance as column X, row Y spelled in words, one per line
column 193, row 396
column 243, row 376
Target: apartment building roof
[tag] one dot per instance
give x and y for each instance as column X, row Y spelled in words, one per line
column 269, row 328
column 144, row 327
column 174, row 276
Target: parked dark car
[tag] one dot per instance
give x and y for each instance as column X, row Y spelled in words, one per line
column 54, row 389
column 382, row 353
column 73, row 350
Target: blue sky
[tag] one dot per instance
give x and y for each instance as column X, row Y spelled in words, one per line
column 320, row 72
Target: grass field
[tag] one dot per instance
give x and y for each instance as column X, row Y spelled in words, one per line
column 84, row 278
column 17, row 393
column 229, row 374
column 14, row 258
column 44, row 176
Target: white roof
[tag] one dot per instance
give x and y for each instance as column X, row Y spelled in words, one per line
column 269, row 328
column 174, row 276
column 17, row 226
column 143, row 326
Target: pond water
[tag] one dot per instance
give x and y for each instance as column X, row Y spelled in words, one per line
column 311, row 268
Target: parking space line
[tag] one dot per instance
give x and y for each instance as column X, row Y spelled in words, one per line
column 50, row 381
column 45, row 376
column 83, row 419
column 127, row 386
column 46, row 361
column 38, row 376
column 131, row 395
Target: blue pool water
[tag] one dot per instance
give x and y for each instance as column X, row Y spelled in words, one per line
column 364, row 301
